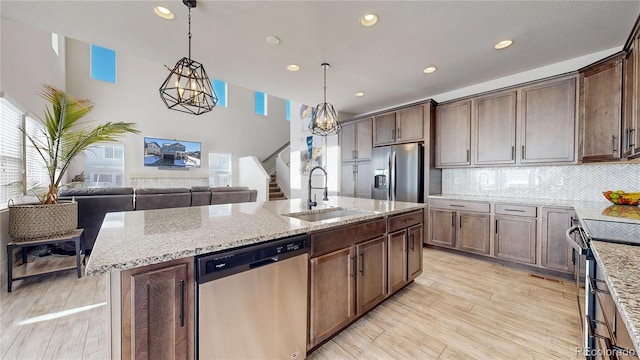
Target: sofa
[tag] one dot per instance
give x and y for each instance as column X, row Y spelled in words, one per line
column 95, row 203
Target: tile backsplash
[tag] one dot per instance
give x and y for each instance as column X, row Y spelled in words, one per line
column 570, row 182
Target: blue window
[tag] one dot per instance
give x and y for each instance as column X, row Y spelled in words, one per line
column 288, row 110
column 220, row 88
column 261, row 103
column 103, row 64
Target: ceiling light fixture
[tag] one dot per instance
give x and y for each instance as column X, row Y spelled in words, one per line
column 369, row 20
column 188, row 88
column 503, row 44
column 164, row 12
column 293, row 67
column 324, row 120
column 429, row 70
column 273, row 40
column 359, row 94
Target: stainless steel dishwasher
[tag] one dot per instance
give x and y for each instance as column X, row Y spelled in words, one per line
column 252, row 302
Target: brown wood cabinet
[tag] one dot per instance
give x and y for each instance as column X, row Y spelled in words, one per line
column 405, row 251
column 158, row 310
column 474, row 233
column 385, row 129
column 555, row 252
column 397, row 265
column 356, row 140
column 495, row 129
column 547, row 121
column 371, row 278
column 442, row 228
column 515, row 238
column 332, row 292
column 631, row 102
column 601, row 110
column 453, row 134
column 355, row 179
column 404, row 125
column 414, row 251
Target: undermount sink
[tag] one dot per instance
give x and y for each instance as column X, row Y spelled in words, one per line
column 325, row 214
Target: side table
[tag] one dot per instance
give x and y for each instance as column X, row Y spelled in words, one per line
column 27, row 270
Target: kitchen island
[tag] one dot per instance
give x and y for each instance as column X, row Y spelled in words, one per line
column 156, row 248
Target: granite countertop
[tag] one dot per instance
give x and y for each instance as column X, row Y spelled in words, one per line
column 621, row 266
column 137, row 238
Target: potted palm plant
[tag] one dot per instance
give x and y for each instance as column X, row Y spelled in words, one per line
column 64, row 137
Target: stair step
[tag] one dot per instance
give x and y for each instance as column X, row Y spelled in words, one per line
column 274, row 191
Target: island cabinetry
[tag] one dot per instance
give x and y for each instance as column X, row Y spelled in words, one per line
column 555, row 251
column 405, row 249
column 355, row 154
column 347, row 273
column 515, row 233
column 547, row 121
column 453, row 134
column 460, row 224
column 601, row 110
column 495, row 124
column 404, row 125
column 157, row 311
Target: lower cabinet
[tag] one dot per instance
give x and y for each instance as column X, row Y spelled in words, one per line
column 405, row 257
column 414, row 253
column 515, row 238
column 474, row 232
column 347, row 276
column 157, row 311
column 555, row 251
column 442, row 224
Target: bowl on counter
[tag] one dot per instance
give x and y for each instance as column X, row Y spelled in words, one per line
column 620, row 197
column 623, row 211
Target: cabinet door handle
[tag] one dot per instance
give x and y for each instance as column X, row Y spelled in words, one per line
column 496, row 226
column 353, row 154
column 626, row 139
column 413, row 245
column 181, row 303
column 631, row 131
column 356, row 151
column 514, row 210
column 468, row 155
column 460, row 221
column 399, row 134
column 453, row 219
column 353, row 259
column 613, row 144
column 393, row 134
column 456, row 205
column 522, row 155
column 513, row 152
column 362, row 263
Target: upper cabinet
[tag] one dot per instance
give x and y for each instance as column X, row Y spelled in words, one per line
column 453, row 134
column 405, row 125
column 631, row 111
column 356, row 140
column 548, row 120
column 533, row 124
column 601, row 110
column 495, row 124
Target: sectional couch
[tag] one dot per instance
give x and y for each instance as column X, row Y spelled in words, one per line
column 95, row 203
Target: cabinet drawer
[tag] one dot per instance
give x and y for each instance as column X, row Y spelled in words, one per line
column 517, row 210
column 402, row 221
column 343, row 237
column 459, row 205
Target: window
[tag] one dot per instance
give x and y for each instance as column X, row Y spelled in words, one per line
column 103, row 64
column 220, row 88
column 37, row 174
column 288, row 110
column 261, row 103
column 219, row 169
column 10, row 153
column 104, row 166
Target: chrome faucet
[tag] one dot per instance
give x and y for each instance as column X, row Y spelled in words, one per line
column 313, row 203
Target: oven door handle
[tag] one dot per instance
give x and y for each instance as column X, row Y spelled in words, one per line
column 570, row 240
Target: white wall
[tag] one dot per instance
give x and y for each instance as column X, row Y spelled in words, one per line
column 251, row 173
column 236, row 129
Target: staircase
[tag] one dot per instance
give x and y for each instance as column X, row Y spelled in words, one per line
column 275, row 193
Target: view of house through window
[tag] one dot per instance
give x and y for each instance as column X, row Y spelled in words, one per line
column 11, row 177
column 104, row 166
column 219, row 169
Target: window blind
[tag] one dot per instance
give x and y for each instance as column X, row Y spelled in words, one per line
column 37, row 174
column 11, row 165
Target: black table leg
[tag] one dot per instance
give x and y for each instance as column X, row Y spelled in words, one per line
column 9, row 267
column 78, row 267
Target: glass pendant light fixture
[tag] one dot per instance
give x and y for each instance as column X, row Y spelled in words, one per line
column 324, row 120
column 188, row 88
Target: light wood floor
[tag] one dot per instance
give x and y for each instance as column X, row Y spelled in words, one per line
column 458, row 308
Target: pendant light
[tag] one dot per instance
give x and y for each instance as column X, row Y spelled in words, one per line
column 325, row 119
column 188, row 88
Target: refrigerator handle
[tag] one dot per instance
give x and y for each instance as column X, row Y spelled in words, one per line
column 392, row 188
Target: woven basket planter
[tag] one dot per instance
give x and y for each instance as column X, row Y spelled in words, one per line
column 36, row 221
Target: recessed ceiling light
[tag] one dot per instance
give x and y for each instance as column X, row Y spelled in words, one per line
column 293, row 67
column 429, row 70
column 164, row 12
column 369, row 19
column 359, row 94
column 273, row 40
column 503, row 44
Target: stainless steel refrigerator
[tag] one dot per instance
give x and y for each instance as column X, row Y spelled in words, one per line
column 398, row 173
